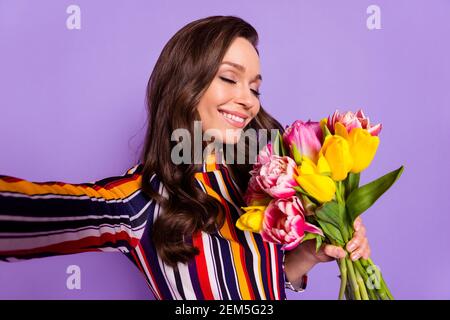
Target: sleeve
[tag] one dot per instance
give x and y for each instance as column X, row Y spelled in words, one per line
column 41, row 219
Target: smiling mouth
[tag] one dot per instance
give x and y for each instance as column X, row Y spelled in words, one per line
column 233, row 119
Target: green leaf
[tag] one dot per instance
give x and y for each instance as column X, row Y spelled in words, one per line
column 297, row 155
column 319, row 241
column 364, row 197
column 300, row 190
column 331, row 212
column 326, row 132
column 284, row 152
column 309, row 206
column 331, row 232
column 312, row 236
column 351, row 183
column 277, row 147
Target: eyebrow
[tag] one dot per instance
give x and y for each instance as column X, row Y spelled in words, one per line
column 242, row 69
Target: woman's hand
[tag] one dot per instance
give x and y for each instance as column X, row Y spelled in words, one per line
column 357, row 247
column 300, row 260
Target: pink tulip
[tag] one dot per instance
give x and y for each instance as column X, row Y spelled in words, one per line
column 265, row 153
column 262, row 158
column 254, row 194
column 306, row 136
column 284, row 223
column 277, row 176
column 352, row 120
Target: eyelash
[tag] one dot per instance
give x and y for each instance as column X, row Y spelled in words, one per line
column 256, row 93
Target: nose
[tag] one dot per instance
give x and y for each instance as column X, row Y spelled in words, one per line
column 245, row 98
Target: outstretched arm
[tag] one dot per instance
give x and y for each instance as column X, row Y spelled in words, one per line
column 299, row 261
column 40, row 219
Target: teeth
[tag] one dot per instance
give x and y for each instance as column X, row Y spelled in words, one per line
column 232, row 117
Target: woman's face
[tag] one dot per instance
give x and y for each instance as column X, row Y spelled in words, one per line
column 231, row 100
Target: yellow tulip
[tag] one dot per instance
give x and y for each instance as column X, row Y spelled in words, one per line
column 363, row 147
column 336, row 151
column 314, row 181
column 321, row 188
column 252, row 219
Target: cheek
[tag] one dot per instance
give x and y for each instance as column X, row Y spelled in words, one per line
column 256, row 109
column 218, row 94
column 215, row 96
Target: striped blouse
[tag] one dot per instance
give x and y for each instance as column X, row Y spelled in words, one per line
column 41, row 219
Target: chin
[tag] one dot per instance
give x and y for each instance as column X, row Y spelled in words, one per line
column 231, row 136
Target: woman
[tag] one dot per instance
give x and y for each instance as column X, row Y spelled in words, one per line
column 175, row 222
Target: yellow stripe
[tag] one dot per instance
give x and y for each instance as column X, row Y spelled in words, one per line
column 235, row 245
column 29, row 188
column 258, row 270
column 210, row 162
column 243, row 280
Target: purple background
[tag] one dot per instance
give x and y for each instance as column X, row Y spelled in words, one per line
column 72, row 109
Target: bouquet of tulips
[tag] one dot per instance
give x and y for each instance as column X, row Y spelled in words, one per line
column 305, row 185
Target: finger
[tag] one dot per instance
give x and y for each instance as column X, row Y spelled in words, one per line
column 354, row 244
column 357, row 223
column 362, row 231
column 362, row 251
column 334, row 251
column 357, row 240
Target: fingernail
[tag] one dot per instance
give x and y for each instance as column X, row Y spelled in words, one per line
column 352, row 246
column 355, row 256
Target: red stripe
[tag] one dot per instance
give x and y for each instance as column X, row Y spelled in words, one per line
column 269, row 274
column 76, row 246
column 159, row 295
column 136, row 260
column 202, row 268
column 230, row 180
column 234, row 236
column 277, row 271
column 120, row 180
column 10, row 179
column 229, row 183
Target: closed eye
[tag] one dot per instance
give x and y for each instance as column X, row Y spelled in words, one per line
column 256, row 93
column 227, row 80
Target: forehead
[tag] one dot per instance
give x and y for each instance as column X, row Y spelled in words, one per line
column 242, row 52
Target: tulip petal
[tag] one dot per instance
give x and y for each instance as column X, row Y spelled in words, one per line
column 313, row 229
column 341, row 130
column 252, row 220
column 375, row 130
column 307, row 167
column 322, row 166
column 337, row 153
column 321, row 188
column 363, row 147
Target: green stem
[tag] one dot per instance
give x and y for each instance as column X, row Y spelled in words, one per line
column 383, row 283
column 348, row 292
column 380, row 289
column 360, row 268
column 352, row 277
column 343, row 269
column 339, row 198
column 362, row 285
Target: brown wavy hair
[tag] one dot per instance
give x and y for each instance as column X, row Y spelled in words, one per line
column 184, row 70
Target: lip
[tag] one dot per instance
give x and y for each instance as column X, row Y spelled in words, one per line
column 231, row 121
column 238, row 114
